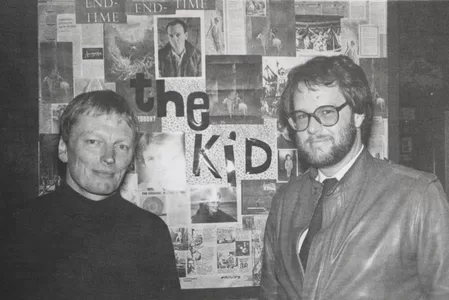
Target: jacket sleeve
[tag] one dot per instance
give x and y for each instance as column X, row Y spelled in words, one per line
column 432, row 232
column 269, row 283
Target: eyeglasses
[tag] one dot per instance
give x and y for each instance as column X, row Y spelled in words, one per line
column 326, row 115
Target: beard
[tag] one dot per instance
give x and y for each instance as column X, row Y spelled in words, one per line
column 335, row 154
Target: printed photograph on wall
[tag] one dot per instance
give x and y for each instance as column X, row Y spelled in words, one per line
column 160, row 162
column 274, row 79
column 179, row 237
column 287, row 164
column 179, row 43
column 181, row 262
column 226, row 261
column 153, row 202
column 256, row 8
column 56, row 111
column 56, row 70
column 274, row 34
column 51, row 169
column 234, row 86
column 257, row 196
column 214, row 26
column 129, row 49
column 350, row 38
column 318, row 35
column 213, row 204
column 376, row 73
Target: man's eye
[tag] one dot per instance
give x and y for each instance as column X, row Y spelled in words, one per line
column 123, row 147
column 93, row 142
column 301, row 116
column 327, row 112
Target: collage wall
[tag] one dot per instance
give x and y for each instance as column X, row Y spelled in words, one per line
column 209, row 136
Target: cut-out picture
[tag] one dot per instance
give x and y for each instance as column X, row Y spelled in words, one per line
column 257, row 196
column 160, row 162
column 234, row 86
column 287, row 164
column 179, row 53
column 213, row 204
column 129, row 49
column 56, row 65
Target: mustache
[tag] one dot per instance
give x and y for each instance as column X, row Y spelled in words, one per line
column 318, row 138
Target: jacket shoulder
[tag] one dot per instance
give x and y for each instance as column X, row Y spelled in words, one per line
column 402, row 175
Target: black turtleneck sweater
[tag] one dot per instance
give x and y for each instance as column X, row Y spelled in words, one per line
column 65, row 246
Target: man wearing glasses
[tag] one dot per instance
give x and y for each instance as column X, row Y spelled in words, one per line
column 351, row 226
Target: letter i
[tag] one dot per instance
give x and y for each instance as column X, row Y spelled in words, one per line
column 230, row 161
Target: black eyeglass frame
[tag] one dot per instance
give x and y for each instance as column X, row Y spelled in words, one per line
column 337, row 108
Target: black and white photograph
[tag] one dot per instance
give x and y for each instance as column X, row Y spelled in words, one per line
column 213, row 204
column 256, row 8
column 287, row 164
column 129, row 49
column 257, row 196
column 242, row 248
column 350, row 39
column 214, row 26
column 56, row 65
column 160, row 162
column 274, row 78
column 179, row 237
column 51, row 169
column 234, row 86
column 318, row 35
column 180, row 44
column 273, row 34
column 56, row 111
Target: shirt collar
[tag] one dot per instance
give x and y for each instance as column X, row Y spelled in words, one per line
column 339, row 175
column 179, row 56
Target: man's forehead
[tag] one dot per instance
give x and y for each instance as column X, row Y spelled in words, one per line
column 176, row 28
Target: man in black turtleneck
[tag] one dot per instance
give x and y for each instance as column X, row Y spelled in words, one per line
column 84, row 241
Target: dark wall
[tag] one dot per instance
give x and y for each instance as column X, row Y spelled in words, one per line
column 19, row 103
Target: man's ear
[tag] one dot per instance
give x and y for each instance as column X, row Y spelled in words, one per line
column 62, row 151
column 358, row 119
column 187, row 35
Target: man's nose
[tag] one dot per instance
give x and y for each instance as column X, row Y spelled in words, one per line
column 108, row 156
column 314, row 125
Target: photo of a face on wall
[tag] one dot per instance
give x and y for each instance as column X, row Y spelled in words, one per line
column 213, row 204
column 179, row 44
column 287, row 164
column 160, row 162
